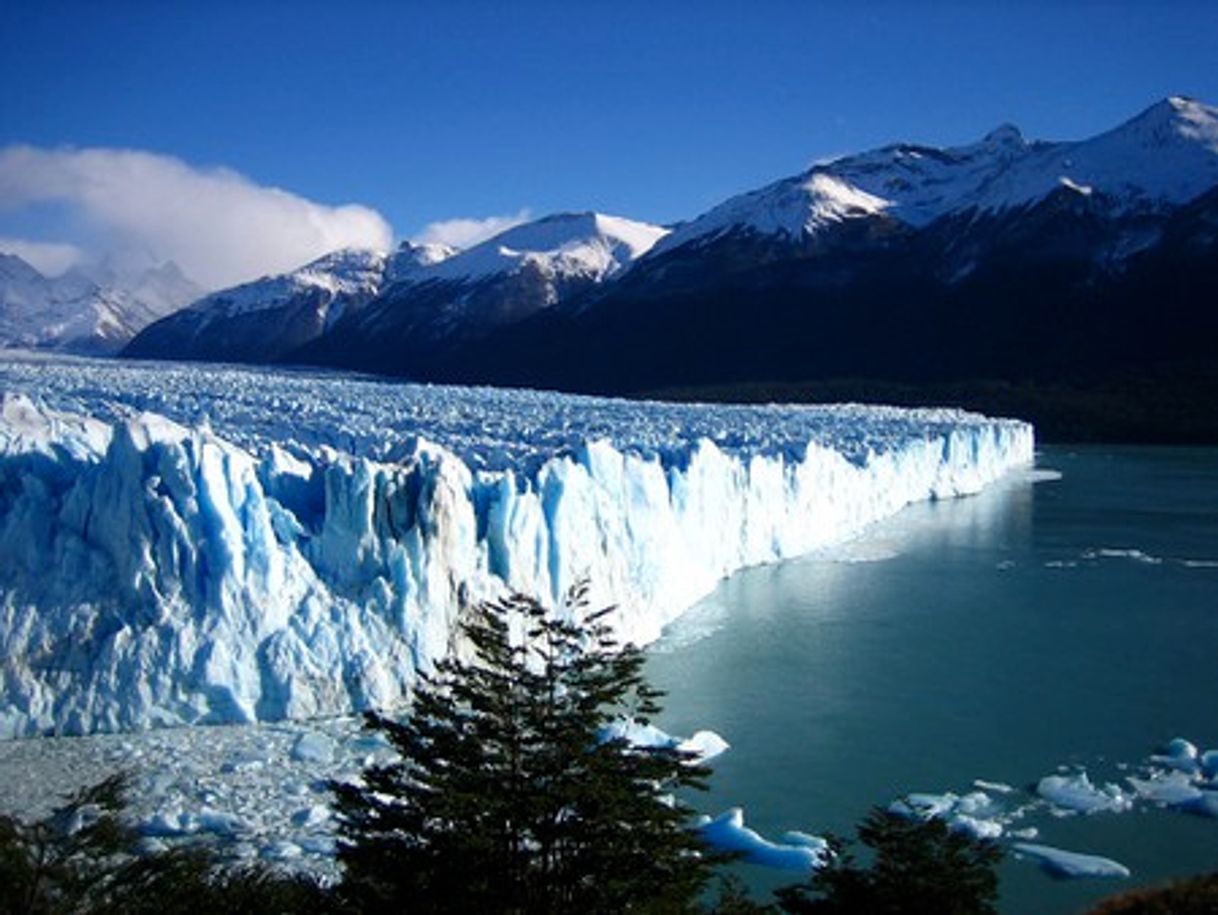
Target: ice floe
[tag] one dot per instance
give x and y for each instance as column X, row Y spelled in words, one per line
column 1135, row 555
column 1177, row 777
column 797, row 851
column 1076, row 794
column 1069, row 863
column 702, row 746
column 976, row 813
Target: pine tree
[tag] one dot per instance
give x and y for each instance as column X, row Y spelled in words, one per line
column 918, row 867
column 509, row 797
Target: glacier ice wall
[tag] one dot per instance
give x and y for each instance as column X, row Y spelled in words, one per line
column 156, row 572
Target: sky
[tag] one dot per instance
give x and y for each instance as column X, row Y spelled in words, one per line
column 241, row 137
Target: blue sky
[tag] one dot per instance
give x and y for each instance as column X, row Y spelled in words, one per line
column 427, row 112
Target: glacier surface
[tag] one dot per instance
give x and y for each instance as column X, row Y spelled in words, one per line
column 185, row 544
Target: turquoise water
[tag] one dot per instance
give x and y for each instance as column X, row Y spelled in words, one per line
column 996, row 637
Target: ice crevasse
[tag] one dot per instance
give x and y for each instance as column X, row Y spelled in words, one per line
column 156, row 572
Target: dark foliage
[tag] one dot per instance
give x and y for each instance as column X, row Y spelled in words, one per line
column 65, row 861
column 82, row 859
column 918, row 867
column 1195, row 896
column 189, row 880
column 509, row 798
column 733, row 898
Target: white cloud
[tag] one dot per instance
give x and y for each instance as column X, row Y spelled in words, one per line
column 465, row 233
column 48, row 258
column 220, row 227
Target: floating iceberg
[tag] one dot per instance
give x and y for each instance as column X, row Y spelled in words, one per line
column 702, row 747
column 1181, row 777
column 1070, row 863
column 1174, row 789
column 184, row 545
column 1076, row 794
column 798, row 852
column 975, row 814
column 1179, row 754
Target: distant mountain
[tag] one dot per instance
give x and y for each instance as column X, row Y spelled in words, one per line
column 261, row 320
column 90, row 309
column 422, row 318
column 1049, row 271
column 372, row 310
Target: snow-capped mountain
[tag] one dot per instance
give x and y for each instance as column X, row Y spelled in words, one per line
column 360, row 301
column 1008, row 260
column 564, row 247
column 259, row 320
column 89, row 309
column 520, row 272
column 918, row 273
column 411, row 259
column 1164, row 157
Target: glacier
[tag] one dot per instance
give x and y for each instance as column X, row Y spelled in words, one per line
column 194, row 545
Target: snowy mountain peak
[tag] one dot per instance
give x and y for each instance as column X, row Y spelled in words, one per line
column 92, row 308
column 563, row 230
column 346, row 272
column 528, row 268
column 1184, row 109
column 411, row 260
column 431, row 252
column 346, row 261
column 1173, row 120
column 591, row 245
column 411, row 256
column 1165, row 156
column 262, row 319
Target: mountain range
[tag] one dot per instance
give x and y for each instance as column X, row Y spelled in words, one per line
column 428, row 299
column 1070, row 282
column 91, row 309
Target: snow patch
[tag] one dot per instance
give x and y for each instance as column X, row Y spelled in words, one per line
column 1083, row 189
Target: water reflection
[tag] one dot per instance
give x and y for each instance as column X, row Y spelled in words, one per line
column 1001, row 517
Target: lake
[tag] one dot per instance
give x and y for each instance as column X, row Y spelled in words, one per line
column 1044, row 623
